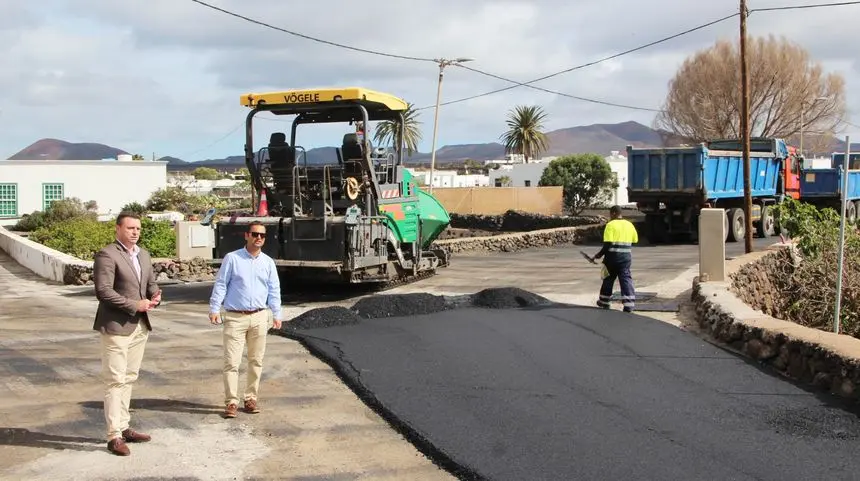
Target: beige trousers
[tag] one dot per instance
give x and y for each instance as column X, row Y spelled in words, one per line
column 239, row 330
column 121, row 359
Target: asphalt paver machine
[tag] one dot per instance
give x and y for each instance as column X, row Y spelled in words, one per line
column 359, row 217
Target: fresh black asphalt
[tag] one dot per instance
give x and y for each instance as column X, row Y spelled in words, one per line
column 553, row 392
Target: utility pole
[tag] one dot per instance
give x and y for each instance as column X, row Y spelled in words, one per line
column 745, row 130
column 442, row 64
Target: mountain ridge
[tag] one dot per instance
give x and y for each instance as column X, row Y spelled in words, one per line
column 600, row 138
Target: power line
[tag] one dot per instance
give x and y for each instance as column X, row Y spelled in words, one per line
column 796, row 7
column 589, row 64
column 518, row 84
column 308, row 37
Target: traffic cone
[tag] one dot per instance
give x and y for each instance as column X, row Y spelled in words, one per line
column 263, row 208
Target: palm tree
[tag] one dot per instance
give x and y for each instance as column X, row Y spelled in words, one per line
column 387, row 130
column 525, row 132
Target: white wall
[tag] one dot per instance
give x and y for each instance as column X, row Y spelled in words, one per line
column 520, row 174
column 43, row 261
column 618, row 164
column 450, row 178
column 112, row 184
column 199, row 186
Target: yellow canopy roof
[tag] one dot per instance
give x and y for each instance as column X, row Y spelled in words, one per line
column 288, row 98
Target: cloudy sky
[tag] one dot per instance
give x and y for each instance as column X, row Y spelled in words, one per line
column 165, row 76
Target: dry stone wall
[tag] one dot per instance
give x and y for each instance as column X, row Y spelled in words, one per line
column 730, row 313
column 192, row 270
column 517, row 221
column 523, row 240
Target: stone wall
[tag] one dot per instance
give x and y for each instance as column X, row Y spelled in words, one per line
column 825, row 360
column 192, row 270
column 515, row 221
column 763, row 284
column 523, row 240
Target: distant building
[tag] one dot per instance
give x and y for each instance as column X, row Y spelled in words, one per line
column 31, row 185
column 449, row 178
column 520, row 175
column 618, row 164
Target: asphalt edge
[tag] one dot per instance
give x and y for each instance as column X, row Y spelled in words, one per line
column 342, row 369
column 821, row 360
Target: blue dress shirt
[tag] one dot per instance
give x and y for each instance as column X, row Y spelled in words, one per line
column 246, row 283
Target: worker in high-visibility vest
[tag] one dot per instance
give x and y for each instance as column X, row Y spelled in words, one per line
column 619, row 235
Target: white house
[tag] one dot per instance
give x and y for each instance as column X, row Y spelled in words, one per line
column 618, row 164
column 521, row 175
column 31, row 185
column 449, row 178
column 199, row 186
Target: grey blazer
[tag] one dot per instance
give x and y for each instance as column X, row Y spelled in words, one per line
column 118, row 289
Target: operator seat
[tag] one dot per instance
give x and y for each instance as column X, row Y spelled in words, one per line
column 280, row 151
column 353, row 155
column 282, row 159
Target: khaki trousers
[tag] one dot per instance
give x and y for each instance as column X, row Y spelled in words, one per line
column 121, row 359
column 241, row 329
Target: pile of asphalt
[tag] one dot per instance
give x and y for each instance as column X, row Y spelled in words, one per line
column 399, row 305
column 411, row 305
column 508, row 298
column 322, row 317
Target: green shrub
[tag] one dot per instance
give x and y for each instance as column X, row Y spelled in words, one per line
column 81, row 237
column 811, row 298
column 58, row 211
column 158, row 237
column 135, row 207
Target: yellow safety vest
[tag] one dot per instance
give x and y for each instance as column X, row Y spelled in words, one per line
column 619, row 235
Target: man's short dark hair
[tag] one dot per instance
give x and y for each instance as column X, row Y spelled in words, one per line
column 126, row 214
column 615, row 210
column 253, row 223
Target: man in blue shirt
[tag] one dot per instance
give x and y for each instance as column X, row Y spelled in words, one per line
column 247, row 288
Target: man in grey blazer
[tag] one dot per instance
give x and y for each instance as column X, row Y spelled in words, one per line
column 126, row 289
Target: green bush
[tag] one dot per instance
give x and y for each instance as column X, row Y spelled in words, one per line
column 811, row 297
column 59, row 211
column 158, row 237
column 83, row 237
column 135, row 207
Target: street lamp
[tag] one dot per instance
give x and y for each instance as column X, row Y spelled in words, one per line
column 802, row 105
column 442, row 64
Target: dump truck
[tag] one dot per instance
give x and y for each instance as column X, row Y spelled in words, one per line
column 359, row 217
column 822, row 187
column 671, row 185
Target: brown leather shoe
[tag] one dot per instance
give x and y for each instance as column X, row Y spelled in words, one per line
column 232, row 411
column 251, row 406
column 118, row 447
column 132, row 436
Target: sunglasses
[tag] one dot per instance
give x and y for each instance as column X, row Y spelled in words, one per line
column 259, row 235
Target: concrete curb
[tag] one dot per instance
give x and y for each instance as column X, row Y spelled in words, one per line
column 45, row 262
column 820, row 359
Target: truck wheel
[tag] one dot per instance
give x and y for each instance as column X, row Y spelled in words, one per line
column 655, row 229
column 766, row 224
column 850, row 213
column 737, row 225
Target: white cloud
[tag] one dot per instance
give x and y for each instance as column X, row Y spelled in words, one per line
column 166, row 75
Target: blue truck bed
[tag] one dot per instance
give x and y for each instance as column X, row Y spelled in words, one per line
column 827, row 184
column 701, row 172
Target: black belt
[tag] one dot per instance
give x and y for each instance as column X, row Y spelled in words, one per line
column 254, row 311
